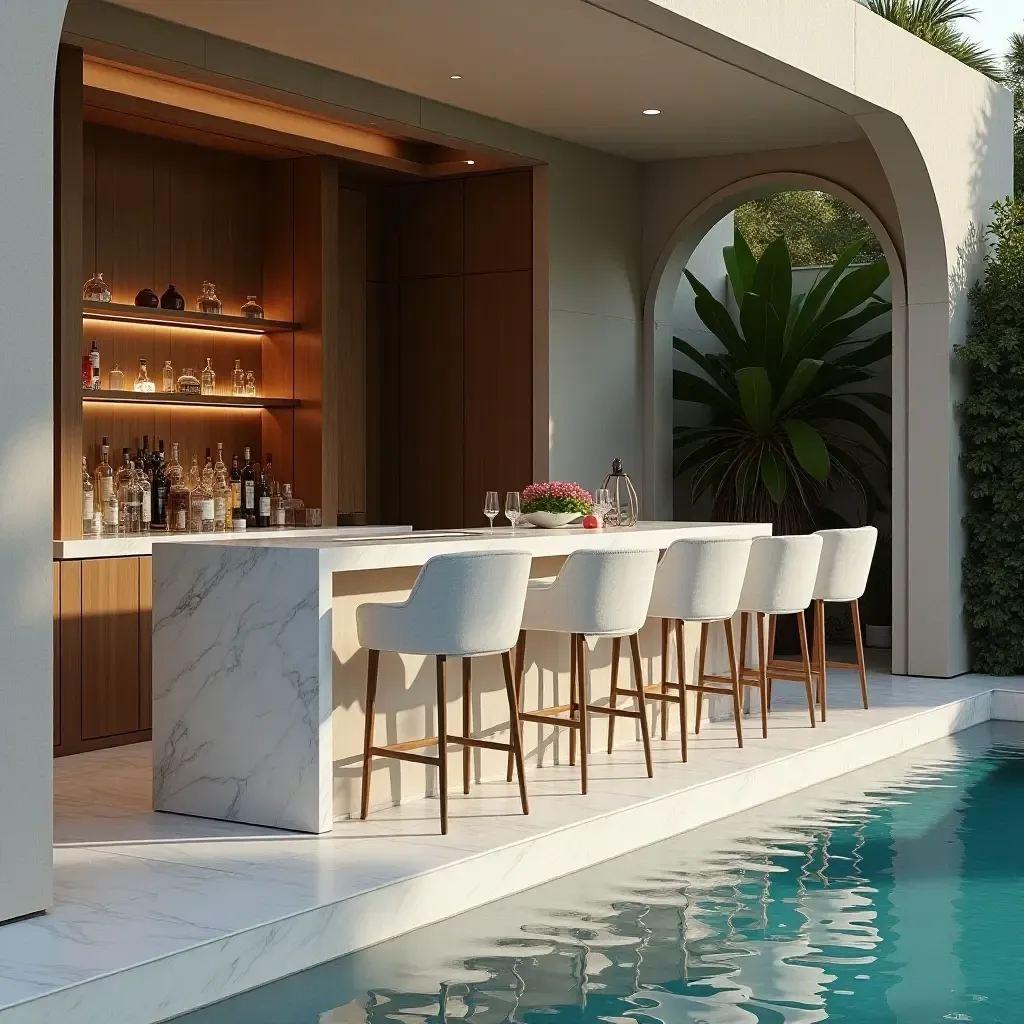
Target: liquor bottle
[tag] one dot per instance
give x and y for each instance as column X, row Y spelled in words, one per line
column 238, row 379
column 88, row 523
column 159, row 492
column 106, row 491
column 172, row 299
column 208, row 301
column 146, row 513
column 125, row 469
column 294, row 508
column 188, row 383
column 194, row 475
column 235, row 483
column 142, row 381
column 201, row 500
column 147, row 458
column 129, row 499
column 250, row 383
column 248, row 491
column 252, row 309
column 207, row 474
column 221, row 501
column 263, row 494
column 208, row 378
column 94, row 363
column 177, row 494
column 167, row 375
column 86, row 374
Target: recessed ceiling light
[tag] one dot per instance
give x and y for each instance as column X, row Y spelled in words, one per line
column 651, row 111
column 470, row 162
column 456, row 78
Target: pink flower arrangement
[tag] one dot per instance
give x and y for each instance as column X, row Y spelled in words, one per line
column 557, row 497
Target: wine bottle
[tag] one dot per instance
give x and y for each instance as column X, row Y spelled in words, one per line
column 248, row 491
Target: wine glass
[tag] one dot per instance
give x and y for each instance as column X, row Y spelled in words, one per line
column 491, row 506
column 602, row 503
column 512, row 511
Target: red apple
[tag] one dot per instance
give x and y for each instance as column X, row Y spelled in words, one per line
column 591, row 523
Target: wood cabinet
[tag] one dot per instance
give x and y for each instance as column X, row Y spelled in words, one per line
column 102, row 643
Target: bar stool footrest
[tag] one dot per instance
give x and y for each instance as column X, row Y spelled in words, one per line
column 472, row 741
column 539, row 718
column 619, row 712
column 404, row 755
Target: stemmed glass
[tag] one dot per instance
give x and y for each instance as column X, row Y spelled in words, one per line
column 491, row 506
column 602, row 503
column 512, row 511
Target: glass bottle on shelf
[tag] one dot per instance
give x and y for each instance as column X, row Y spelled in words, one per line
column 116, row 379
column 96, row 290
column 201, row 499
column 264, row 493
column 142, row 381
column 235, row 483
column 250, row 384
column 293, row 507
column 129, row 499
column 105, row 491
column 248, row 481
column 221, row 493
column 252, row 309
column 188, row 383
column 172, row 299
column 168, row 378
column 238, row 379
column 94, row 364
column 125, row 469
column 147, row 458
column 88, row 523
column 177, row 494
column 209, row 378
column 159, row 492
column 208, row 301
column 194, row 475
column 146, row 514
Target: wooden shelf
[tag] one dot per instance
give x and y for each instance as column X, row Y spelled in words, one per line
column 214, row 401
column 174, row 318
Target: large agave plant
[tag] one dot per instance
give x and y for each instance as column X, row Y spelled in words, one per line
column 790, row 418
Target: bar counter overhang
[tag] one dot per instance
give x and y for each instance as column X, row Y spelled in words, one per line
column 259, row 681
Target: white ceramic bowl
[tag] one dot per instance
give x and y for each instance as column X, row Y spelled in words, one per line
column 551, row 520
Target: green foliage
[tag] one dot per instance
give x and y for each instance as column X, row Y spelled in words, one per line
column 992, row 432
column 787, row 419
column 1015, row 80
column 938, row 22
column 817, row 227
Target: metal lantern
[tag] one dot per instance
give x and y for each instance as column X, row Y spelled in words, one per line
column 625, row 510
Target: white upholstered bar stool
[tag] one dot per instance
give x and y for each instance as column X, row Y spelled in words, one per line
column 461, row 606
column 780, row 581
column 842, row 578
column 698, row 580
column 595, row 594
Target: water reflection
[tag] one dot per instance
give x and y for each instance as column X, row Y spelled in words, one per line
column 872, row 900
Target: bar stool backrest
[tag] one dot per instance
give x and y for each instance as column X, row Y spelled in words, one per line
column 460, row 605
column 781, row 574
column 603, row 592
column 700, row 579
column 845, row 562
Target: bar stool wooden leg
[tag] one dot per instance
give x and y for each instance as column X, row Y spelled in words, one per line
column 701, row 662
column 762, row 674
column 681, row 677
column 467, row 672
column 743, row 642
column 574, row 658
column 737, row 711
column 819, row 622
column 372, row 665
column 801, row 626
column 582, row 689
column 520, row 668
column 515, row 730
column 613, row 698
column 858, row 640
column 666, row 625
column 771, row 655
column 641, row 703
column 442, row 739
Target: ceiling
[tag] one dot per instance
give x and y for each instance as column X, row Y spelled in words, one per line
column 562, row 67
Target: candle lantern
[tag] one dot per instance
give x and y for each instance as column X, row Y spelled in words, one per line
column 625, row 510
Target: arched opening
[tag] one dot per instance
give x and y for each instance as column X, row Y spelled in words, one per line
column 698, row 240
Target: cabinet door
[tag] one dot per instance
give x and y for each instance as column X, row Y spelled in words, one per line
column 56, row 654
column 146, row 642
column 110, row 647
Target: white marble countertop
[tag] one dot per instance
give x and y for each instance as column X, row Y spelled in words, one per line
column 345, row 551
column 117, row 547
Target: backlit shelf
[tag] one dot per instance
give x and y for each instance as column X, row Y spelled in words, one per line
column 210, row 401
column 174, row 318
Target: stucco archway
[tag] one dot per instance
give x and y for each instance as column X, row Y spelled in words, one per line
column 657, row 355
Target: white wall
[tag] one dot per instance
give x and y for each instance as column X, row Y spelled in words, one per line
column 29, row 34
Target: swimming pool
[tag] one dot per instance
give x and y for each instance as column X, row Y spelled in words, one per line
column 895, row 894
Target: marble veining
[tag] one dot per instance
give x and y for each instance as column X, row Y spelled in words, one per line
column 238, row 705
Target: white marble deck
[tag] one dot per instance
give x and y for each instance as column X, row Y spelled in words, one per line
column 156, row 914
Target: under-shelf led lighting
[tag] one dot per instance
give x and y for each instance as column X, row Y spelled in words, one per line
column 470, row 162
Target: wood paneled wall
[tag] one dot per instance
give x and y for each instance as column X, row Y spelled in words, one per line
column 450, row 367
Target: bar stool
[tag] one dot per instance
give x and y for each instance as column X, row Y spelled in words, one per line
column 596, row 594
column 842, row 577
column 461, row 606
column 780, row 581
column 698, row 580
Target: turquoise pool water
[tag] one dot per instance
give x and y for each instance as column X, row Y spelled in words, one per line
column 893, row 895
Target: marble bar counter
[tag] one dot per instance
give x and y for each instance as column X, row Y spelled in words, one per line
column 259, row 682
